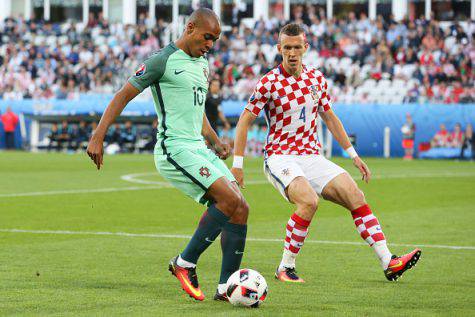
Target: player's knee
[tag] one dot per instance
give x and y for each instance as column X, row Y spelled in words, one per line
column 241, row 213
column 309, row 205
column 358, row 197
column 232, row 203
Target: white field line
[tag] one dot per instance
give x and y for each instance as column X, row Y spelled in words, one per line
column 134, row 178
column 181, row 236
column 82, row 191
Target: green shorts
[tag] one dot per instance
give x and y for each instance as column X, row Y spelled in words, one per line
column 192, row 171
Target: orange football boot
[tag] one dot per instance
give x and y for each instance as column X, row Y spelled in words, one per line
column 288, row 275
column 400, row 264
column 188, row 279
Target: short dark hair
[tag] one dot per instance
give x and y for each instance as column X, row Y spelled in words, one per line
column 291, row 29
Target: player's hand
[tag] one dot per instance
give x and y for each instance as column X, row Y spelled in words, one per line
column 238, row 174
column 223, row 150
column 364, row 170
column 95, row 150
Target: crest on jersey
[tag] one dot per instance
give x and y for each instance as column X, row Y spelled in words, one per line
column 315, row 93
column 140, row 71
column 204, row 171
column 206, row 73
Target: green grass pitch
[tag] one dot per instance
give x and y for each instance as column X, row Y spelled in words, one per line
column 61, row 265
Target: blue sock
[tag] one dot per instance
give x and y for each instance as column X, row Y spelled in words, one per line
column 233, row 241
column 209, row 227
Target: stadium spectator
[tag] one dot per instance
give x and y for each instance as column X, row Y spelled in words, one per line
column 64, row 136
column 434, row 60
column 113, row 135
column 213, row 109
column 151, row 136
column 53, row 137
column 128, row 137
column 80, row 135
column 468, row 142
column 456, row 137
column 408, row 134
column 441, row 138
column 10, row 121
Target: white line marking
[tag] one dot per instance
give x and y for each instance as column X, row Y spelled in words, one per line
column 160, row 184
column 81, row 191
column 181, row 236
column 135, row 178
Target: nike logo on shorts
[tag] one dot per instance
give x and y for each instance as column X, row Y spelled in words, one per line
column 238, row 252
column 208, row 240
column 177, row 72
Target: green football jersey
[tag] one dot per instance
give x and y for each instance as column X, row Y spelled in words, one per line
column 179, row 85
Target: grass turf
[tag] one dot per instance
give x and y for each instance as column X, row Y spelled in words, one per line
column 421, row 203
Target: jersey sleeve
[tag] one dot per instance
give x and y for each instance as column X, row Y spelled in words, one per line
column 325, row 102
column 150, row 71
column 259, row 97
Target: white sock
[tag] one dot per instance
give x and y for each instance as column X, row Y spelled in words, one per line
column 184, row 263
column 288, row 260
column 222, row 288
column 383, row 253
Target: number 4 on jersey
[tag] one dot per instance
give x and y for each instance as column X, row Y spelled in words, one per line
column 302, row 114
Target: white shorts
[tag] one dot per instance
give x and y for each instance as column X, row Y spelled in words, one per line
column 281, row 170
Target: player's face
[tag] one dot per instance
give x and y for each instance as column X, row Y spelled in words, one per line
column 292, row 49
column 202, row 37
column 214, row 87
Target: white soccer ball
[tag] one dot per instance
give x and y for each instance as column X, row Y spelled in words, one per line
column 246, row 287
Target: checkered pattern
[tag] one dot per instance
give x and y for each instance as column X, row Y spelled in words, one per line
column 367, row 225
column 296, row 232
column 291, row 107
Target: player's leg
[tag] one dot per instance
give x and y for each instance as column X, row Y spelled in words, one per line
column 233, row 234
column 289, row 179
column 193, row 174
column 300, row 193
column 344, row 191
column 233, row 241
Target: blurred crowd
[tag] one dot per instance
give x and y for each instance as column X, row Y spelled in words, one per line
column 365, row 61
column 129, row 137
column 74, row 136
column 451, row 139
column 455, row 139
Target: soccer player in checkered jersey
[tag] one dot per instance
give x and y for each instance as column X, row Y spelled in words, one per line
column 292, row 96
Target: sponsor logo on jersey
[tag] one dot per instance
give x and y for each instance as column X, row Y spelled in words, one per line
column 286, row 171
column 140, row 71
column 178, row 72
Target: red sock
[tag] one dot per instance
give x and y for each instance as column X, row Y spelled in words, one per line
column 297, row 229
column 367, row 225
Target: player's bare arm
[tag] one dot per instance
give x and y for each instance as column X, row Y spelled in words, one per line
column 223, row 150
column 335, row 126
column 95, row 148
column 245, row 121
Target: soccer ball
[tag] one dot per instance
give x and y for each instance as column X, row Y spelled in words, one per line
column 246, row 287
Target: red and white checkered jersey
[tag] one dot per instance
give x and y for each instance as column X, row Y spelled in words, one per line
column 291, row 107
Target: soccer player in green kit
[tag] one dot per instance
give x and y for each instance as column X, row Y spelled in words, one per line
column 178, row 78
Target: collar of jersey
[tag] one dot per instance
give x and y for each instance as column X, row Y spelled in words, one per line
column 284, row 72
column 172, row 44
